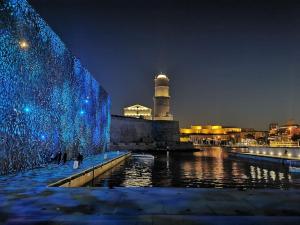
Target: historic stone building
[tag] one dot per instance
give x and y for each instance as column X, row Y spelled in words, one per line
column 138, row 111
column 162, row 98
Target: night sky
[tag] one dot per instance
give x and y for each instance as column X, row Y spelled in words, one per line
column 235, row 63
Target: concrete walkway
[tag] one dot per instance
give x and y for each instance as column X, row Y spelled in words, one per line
column 41, row 177
column 25, row 199
column 149, row 206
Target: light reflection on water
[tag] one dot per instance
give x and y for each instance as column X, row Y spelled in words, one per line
column 210, row 168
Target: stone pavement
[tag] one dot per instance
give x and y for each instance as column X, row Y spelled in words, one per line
column 149, row 206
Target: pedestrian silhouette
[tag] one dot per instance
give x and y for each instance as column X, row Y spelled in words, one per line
column 65, row 157
column 80, row 158
column 58, row 157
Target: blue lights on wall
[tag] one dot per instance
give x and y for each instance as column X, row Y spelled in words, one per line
column 27, row 109
column 48, row 101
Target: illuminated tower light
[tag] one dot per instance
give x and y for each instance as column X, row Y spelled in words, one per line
column 82, row 112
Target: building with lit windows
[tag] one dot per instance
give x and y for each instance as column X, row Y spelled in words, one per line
column 209, row 134
column 285, row 135
column 138, row 111
column 219, row 135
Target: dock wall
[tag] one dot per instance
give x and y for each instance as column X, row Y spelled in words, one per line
column 80, row 179
column 289, row 152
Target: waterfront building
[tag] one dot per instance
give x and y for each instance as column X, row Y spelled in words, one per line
column 273, row 126
column 138, row 111
column 252, row 136
column 219, row 135
column 247, row 142
column 286, row 135
column 209, row 135
column 162, row 98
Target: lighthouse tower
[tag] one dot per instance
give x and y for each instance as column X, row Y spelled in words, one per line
column 162, row 98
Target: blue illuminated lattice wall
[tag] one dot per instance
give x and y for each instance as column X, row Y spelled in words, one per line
column 48, row 101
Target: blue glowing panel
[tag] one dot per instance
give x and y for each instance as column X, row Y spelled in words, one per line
column 48, row 101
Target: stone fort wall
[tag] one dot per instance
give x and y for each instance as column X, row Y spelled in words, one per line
column 134, row 133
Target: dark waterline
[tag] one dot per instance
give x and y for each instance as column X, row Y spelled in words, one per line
column 212, row 168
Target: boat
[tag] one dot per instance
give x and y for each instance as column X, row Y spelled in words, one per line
column 293, row 169
column 144, row 156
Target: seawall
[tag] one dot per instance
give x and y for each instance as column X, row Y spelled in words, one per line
column 282, row 152
column 79, row 179
column 282, row 155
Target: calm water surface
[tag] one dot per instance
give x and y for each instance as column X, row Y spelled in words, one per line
column 210, row 168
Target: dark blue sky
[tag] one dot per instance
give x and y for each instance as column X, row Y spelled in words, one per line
column 230, row 62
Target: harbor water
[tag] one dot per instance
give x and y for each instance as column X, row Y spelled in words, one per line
column 210, row 168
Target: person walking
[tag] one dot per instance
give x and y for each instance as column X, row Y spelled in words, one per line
column 53, row 157
column 65, row 157
column 58, row 157
column 79, row 158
